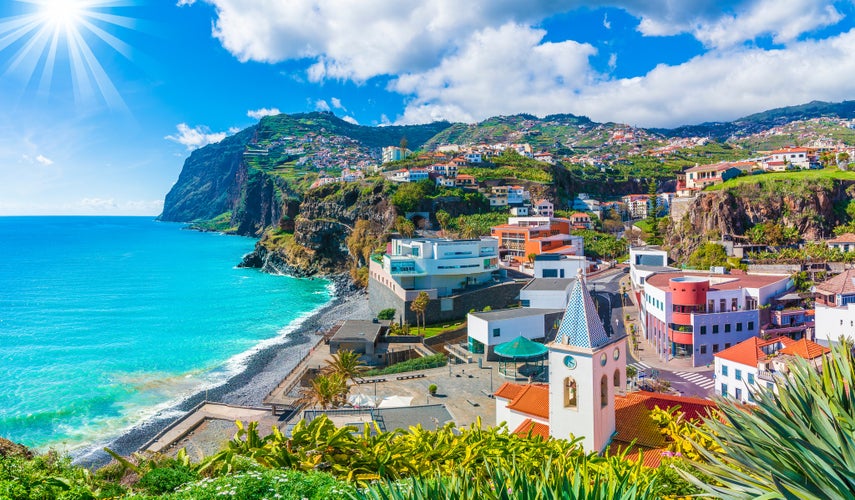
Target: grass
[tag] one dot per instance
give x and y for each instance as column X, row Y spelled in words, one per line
column 434, row 330
column 795, row 175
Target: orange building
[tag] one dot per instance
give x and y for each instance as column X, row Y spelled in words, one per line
column 536, row 235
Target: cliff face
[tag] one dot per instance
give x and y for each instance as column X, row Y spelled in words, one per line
column 325, row 218
column 814, row 209
column 207, row 185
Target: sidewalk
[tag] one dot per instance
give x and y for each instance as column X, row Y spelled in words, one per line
column 646, row 352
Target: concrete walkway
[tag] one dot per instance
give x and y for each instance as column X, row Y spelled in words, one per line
column 205, row 411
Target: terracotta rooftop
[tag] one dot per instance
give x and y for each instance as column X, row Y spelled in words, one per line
column 720, row 281
column 532, row 400
column 843, row 283
column 750, row 352
column 530, row 427
column 509, row 390
column 805, row 349
column 843, row 238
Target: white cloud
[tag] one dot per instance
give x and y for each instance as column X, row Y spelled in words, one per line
column 606, row 24
column 110, row 206
column 182, row 3
column 783, row 21
column 612, row 61
column 350, row 119
column 336, row 103
column 321, row 105
column 497, row 71
column 260, row 113
column 44, row 160
column 195, row 137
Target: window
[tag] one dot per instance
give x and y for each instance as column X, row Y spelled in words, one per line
column 769, row 385
column 734, row 304
column 750, row 325
column 525, row 303
column 750, row 397
column 738, row 374
column 739, row 327
column 604, row 391
column 727, row 328
column 570, row 399
column 739, row 394
column 750, row 382
column 723, row 370
column 550, row 273
column 497, row 332
column 715, row 348
column 727, row 345
column 724, row 390
column 703, row 329
column 715, row 328
column 722, row 305
column 711, row 306
column 617, row 378
column 703, row 348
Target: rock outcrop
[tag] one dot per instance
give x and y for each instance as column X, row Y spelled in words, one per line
column 814, row 209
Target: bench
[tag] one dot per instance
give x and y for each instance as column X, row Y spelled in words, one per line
column 408, row 377
column 370, row 381
column 473, row 403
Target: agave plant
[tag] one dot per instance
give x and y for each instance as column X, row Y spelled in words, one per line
column 798, row 443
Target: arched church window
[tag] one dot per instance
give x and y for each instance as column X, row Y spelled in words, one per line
column 570, row 395
column 604, row 391
column 617, row 378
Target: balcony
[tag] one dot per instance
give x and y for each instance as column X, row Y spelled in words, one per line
column 680, row 334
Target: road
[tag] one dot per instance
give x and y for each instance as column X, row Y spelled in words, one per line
column 605, row 290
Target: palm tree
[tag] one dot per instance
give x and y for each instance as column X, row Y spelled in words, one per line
column 326, row 391
column 345, row 363
column 419, row 306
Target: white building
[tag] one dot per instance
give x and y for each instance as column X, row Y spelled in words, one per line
column 473, row 157
column 646, row 260
column 844, row 242
column 789, row 157
column 550, row 265
column 547, row 293
column 835, row 308
column 394, row 153
column 756, row 364
column 439, row 265
column 517, row 195
column 486, row 330
column 544, row 208
column 521, row 211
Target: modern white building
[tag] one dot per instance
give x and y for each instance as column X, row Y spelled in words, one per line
column 756, row 364
column 486, row 330
column 546, row 293
column 440, row 265
column 553, row 265
column 835, row 308
column 647, row 260
column 789, row 157
column 394, row 153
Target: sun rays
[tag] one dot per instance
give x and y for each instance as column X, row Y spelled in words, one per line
column 54, row 42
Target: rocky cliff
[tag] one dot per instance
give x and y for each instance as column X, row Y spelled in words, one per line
column 814, row 207
column 208, row 184
column 326, row 216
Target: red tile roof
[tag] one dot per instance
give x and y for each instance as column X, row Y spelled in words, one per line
column 843, row 283
column 750, row 352
column 805, row 349
column 508, row 390
column 532, row 400
column 719, row 281
column 843, row 238
column 531, row 428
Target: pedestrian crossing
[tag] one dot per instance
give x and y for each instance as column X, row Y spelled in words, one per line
column 697, row 379
column 640, row 366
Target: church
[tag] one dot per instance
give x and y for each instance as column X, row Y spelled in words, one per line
column 586, row 396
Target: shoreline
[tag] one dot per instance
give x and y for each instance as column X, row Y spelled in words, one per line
column 262, row 371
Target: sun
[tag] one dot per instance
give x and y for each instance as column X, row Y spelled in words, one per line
column 59, row 39
column 62, row 11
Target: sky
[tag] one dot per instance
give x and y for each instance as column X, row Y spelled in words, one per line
column 101, row 101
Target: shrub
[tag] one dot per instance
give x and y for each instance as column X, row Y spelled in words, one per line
column 166, row 479
column 432, row 389
column 387, row 314
column 411, row 365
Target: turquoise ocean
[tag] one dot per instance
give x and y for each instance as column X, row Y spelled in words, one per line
column 105, row 321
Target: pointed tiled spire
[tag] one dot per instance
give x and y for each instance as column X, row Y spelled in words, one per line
column 581, row 326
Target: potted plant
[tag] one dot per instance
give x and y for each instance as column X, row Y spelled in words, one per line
column 432, row 389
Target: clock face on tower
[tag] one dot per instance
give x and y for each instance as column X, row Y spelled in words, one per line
column 616, row 354
column 570, row 361
column 603, row 359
